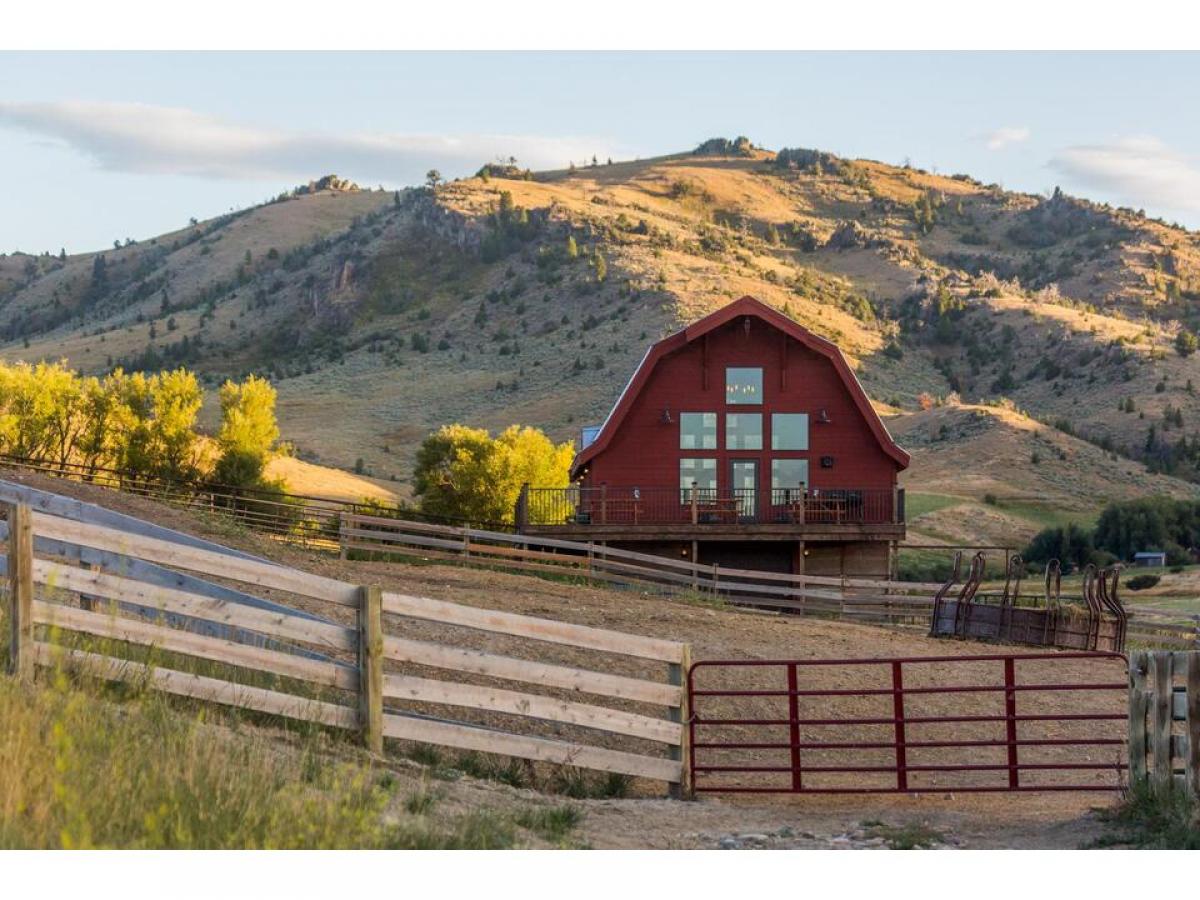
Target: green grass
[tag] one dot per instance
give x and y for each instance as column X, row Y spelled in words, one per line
column 919, row 504
column 421, row 801
column 905, row 837
column 1153, row 817
column 552, row 823
column 84, row 770
column 1045, row 515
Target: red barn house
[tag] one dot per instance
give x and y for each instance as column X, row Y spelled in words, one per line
column 743, row 440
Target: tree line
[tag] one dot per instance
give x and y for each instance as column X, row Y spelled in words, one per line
column 1123, row 529
column 142, row 425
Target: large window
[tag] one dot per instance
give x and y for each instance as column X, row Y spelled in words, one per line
column 789, row 479
column 744, row 386
column 700, row 472
column 698, row 431
column 743, row 431
column 789, row 431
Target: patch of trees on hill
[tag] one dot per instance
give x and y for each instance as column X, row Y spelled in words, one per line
column 816, row 161
column 739, row 146
column 1059, row 218
column 509, row 228
column 1147, row 524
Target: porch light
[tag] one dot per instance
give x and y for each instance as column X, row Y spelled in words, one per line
column 823, row 418
column 666, row 415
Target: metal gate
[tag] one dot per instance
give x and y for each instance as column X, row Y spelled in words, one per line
column 992, row 722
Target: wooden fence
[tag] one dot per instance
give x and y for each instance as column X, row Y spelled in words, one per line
column 878, row 601
column 307, row 647
column 1164, row 717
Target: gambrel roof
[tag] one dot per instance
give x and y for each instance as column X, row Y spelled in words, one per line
column 746, row 306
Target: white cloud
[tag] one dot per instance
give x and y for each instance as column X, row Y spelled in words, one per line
column 1000, row 138
column 147, row 139
column 1138, row 171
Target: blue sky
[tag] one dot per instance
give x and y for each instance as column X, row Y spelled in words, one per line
column 99, row 146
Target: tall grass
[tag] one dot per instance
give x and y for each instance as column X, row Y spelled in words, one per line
column 1154, row 816
column 79, row 770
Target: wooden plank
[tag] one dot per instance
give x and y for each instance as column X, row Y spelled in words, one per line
column 1139, row 703
column 510, row 668
column 197, row 560
column 1192, row 760
column 507, row 564
column 469, row 737
column 582, row 546
column 1160, row 743
column 391, row 539
column 137, row 631
column 370, row 667
column 353, row 520
column 547, row 630
column 534, row 706
column 200, row 687
column 566, row 560
column 114, row 587
column 20, row 590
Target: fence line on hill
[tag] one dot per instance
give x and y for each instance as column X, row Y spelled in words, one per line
column 859, row 599
column 382, row 664
column 306, row 519
column 322, row 523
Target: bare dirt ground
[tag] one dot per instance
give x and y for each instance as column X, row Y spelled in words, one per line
column 959, row 819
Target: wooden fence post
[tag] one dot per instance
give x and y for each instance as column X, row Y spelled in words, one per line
column 1192, row 764
column 370, row 667
column 677, row 675
column 20, row 590
column 1139, row 703
column 1160, row 746
column 343, row 525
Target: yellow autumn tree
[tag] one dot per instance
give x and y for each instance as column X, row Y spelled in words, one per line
column 465, row 473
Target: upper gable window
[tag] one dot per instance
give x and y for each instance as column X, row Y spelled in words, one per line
column 744, row 387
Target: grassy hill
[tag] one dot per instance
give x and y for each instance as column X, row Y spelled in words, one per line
column 530, row 297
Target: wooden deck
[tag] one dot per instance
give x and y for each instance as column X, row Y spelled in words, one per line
column 722, row 531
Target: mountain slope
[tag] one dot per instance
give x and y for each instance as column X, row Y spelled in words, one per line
column 527, row 297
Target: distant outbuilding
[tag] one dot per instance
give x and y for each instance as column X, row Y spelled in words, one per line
column 1150, row 559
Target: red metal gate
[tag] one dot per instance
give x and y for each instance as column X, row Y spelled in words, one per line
column 992, row 722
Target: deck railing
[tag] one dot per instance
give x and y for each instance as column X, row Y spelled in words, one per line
column 610, row 505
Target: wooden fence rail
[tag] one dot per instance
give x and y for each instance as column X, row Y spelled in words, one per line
column 342, row 655
column 859, row 599
column 1164, row 717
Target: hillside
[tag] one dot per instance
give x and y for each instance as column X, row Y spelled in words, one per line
column 530, row 297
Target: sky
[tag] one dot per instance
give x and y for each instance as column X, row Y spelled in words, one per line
column 99, row 147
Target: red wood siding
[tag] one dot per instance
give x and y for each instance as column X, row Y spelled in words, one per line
column 644, row 451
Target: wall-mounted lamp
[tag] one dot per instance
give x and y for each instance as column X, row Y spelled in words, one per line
column 823, row 418
column 666, row 415
column 746, row 325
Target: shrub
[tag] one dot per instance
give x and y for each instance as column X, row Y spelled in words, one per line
column 1070, row 545
column 1154, row 817
column 465, row 473
column 1142, row 582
